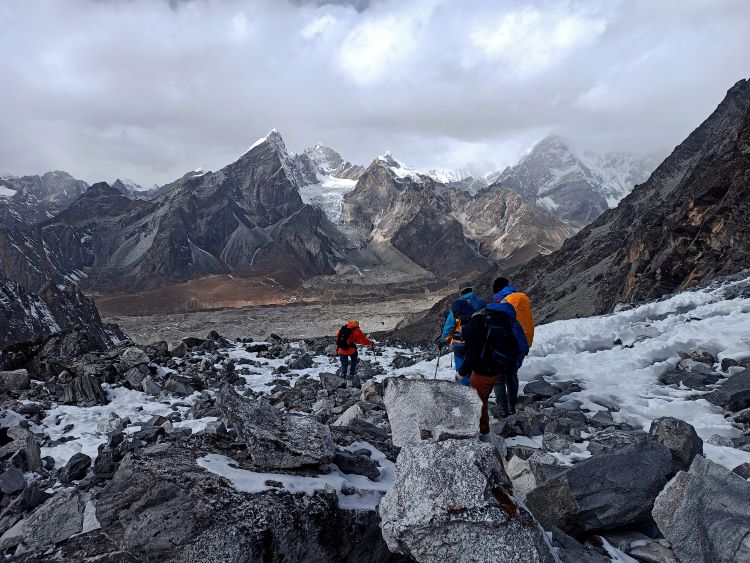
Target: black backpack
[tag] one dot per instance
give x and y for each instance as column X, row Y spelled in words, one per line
column 491, row 345
column 343, row 336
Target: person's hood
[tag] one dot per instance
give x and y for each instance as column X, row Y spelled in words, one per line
column 503, row 293
column 470, row 295
column 352, row 324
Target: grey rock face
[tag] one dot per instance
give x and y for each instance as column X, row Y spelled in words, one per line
column 603, row 492
column 303, row 362
column 133, row 356
column 681, row 439
column 84, row 390
column 734, row 393
column 162, row 506
column 452, row 502
column 656, row 242
column 76, row 468
column 421, row 410
column 12, row 481
column 15, row 380
column 705, row 514
column 275, row 440
column 56, row 520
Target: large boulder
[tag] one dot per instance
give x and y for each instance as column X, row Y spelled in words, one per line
column 133, row 356
column 681, row 439
column 734, row 393
column 705, row 514
column 452, row 502
column 15, row 380
column 424, row 410
column 162, row 506
column 274, row 439
column 606, row 491
column 55, row 520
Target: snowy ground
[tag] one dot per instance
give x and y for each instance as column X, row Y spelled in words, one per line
column 621, row 377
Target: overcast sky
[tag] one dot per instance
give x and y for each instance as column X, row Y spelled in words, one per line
column 149, row 89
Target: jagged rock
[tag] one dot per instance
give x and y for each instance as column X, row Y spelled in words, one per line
column 12, row 481
column 690, row 365
column 134, row 376
column 703, row 356
column 606, row 491
column 355, row 411
column 305, row 361
column 452, row 502
column 569, row 550
column 734, row 393
column 402, row 361
column 275, row 440
column 13, row 536
column 526, row 423
column 113, row 423
column 727, row 363
column 613, row 439
column 76, row 468
column 150, row 386
column 33, row 454
column 681, row 439
column 84, row 390
column 133, row 356
column 602, row 419
column 331, row 382
column 420, row 410
column 15, row 380
column 349, row 462
column 652, row 552
column 180, row 351
column 743, row 470
column 56, row 520
column 527, row 474
column 690, row 379
column 705, row 514
column 162, row 506
column 372, row 392
column 177, row 387
column 541, row 389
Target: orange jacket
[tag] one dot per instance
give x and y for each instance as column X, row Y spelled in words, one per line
column 356, row 337
column 522, row 305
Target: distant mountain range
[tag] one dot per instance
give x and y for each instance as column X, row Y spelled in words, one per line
column 289, row 218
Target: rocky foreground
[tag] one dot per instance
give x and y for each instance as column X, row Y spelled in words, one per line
column 247, row 451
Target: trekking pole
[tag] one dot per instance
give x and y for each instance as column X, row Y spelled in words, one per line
column 437, row 364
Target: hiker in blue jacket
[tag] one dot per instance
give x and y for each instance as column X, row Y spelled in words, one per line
column 461, row 311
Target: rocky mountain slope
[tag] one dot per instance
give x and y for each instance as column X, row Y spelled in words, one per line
column 245, row 450
column 247, row 217
column 31, row 199
column 576, row 188
column 328, row 162
column 447, row 231
column 26, row 316
column 686, row 224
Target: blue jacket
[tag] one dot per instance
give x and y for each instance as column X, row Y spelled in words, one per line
column 451, row 327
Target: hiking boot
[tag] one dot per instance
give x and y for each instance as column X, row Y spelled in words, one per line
column 512, row 409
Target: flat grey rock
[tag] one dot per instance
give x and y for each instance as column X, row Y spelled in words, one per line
column 705, row 514
column 427, row 410
column 452, row 502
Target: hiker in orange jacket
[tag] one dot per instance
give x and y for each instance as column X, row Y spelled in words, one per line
column 347, row 339
column 506, row 390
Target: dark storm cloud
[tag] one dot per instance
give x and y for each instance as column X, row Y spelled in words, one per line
column 149, row 89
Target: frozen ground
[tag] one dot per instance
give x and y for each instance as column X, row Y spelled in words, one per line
column 622, row 377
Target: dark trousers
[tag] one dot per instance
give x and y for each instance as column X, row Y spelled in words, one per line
column 483, row 385
column 506, row 391
column 346, row 361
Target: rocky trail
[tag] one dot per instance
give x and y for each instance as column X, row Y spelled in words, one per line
column 631, row 443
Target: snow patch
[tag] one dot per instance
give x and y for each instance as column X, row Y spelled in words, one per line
column 5, row 191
